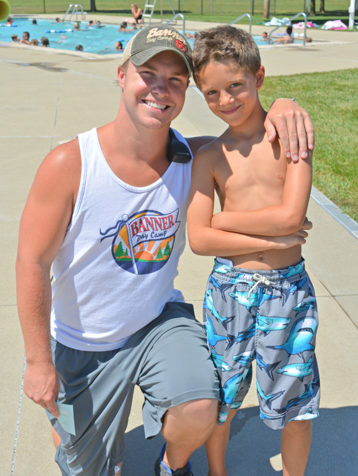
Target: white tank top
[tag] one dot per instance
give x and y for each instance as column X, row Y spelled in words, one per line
column 115, row 269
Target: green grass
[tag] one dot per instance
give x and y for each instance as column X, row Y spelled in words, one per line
column 222, row 11
column 332, row 102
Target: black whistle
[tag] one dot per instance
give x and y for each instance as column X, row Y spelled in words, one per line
column 177, row 151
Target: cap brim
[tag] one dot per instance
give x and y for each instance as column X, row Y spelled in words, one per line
column 138, row 59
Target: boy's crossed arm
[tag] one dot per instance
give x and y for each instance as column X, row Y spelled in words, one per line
column 206, row 240
column 277, row 220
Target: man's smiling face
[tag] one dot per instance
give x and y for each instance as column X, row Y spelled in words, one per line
column 154, row 93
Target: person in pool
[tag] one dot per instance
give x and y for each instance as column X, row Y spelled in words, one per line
column 118, row 46
column 123, row 26
column 287, row 38
column 25, row 38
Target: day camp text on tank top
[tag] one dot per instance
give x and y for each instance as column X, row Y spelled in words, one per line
column 116, row 267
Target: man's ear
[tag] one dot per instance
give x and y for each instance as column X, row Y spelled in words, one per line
column 121, row 75
column 260, row 76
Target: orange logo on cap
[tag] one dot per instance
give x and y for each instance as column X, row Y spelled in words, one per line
column 180, row 45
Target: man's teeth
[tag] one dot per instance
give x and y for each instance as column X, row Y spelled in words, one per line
column 154, row 104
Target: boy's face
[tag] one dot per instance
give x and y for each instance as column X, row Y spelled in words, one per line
column 154, row 93
column 230, row 91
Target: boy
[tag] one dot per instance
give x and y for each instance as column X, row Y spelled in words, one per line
column 257, row 304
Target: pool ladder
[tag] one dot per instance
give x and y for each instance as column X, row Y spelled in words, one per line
column 74, row 9
column 149, row 8
column 242, row 16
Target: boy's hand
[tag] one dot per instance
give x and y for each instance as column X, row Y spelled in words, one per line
column 289, row 241
column 292, row 125
column 307, row 225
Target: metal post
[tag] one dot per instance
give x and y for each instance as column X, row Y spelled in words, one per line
column 351, row 11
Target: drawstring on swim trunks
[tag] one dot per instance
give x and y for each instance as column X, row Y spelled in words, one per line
column 260, row 280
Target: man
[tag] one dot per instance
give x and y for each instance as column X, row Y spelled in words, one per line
column 107, row 212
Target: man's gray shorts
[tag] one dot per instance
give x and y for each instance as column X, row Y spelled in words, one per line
column 168, row 360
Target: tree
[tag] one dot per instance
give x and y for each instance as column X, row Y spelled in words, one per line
column 119, row 250
column 267, row 9
column 93, row 6
column 321, row 6
column 313, row 7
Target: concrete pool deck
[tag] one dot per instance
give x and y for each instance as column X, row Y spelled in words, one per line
column 47, row 98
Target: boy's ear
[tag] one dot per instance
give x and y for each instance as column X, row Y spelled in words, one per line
column 260, row 76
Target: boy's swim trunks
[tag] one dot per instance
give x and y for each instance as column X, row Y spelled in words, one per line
column 270, row 316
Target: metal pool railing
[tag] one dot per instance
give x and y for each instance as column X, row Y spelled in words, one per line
column 242, row 16
column 74, row 9
column 174, row 19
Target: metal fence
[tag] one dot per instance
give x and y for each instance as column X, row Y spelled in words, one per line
column 194, row 7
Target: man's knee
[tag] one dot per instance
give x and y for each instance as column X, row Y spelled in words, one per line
column 202, row 413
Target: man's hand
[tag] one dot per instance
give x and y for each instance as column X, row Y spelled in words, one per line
column 42, row 386
column 292, row 125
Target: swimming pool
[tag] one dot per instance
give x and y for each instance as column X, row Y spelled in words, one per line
column 95, row 40
column 63, row 35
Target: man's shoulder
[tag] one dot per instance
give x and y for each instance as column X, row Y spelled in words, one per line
column 64, row 161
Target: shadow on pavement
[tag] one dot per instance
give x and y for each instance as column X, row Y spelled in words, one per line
column 252, row 444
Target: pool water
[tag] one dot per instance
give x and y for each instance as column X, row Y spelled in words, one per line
column 63, row 36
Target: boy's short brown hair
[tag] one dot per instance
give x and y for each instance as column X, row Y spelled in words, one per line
column 226, row 43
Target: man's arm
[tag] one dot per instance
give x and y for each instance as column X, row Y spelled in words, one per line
column 205, row 240
column 43, row 226
column 282, row 219
column 285, row 120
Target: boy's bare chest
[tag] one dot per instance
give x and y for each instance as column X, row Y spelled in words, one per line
column 252, row 181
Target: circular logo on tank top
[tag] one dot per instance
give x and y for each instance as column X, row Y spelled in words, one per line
column 143, row 242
